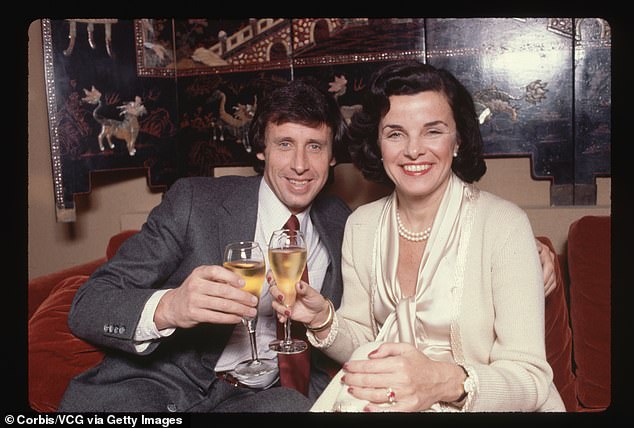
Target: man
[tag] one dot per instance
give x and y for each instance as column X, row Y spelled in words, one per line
column 165, row 306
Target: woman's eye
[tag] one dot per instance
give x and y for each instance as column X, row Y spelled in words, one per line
column 434, row 133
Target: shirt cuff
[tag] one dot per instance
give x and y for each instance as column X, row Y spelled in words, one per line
column 146, row 330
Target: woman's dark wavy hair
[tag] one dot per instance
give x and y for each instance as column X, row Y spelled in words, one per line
column 409, row 78
column 299, row 101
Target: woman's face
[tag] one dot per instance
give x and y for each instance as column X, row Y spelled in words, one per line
column 418, row 138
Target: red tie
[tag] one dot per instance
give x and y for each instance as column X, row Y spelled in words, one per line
column 295, row 368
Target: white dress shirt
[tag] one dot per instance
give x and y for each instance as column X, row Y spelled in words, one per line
column 272, row 215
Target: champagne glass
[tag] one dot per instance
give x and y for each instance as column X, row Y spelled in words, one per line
column 287, row 256
column 247, row 260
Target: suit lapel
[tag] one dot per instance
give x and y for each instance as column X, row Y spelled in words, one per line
column 236, row 220
column 331, row 287
column 239, row 214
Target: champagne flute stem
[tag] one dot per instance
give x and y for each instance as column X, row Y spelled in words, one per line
column 251, row 323
column 287, row 331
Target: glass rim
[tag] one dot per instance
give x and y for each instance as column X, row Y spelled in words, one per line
column 286, row 230
column 243, row 244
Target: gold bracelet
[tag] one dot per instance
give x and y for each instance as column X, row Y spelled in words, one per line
column 325, row 324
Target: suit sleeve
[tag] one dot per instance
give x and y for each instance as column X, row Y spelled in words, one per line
column 107, row 308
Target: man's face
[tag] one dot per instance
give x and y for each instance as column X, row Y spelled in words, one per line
column 296, row 162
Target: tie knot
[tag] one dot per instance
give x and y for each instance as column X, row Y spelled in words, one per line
column 292, row 223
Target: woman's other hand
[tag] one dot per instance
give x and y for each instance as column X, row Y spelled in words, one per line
column 399, row 369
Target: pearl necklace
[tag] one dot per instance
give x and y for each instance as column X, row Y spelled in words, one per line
column 408, row 234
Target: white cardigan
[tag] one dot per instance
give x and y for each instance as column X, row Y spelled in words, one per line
column 497, row 328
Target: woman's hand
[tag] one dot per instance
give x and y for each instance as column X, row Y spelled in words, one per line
column 415, row 381
column 310, row 307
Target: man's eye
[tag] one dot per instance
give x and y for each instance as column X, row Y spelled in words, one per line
column 314, row 147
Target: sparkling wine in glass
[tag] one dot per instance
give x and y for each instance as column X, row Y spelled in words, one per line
column 247, row 260
column 287, row 257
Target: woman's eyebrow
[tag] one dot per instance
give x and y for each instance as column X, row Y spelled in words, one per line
column 393, row 126
column 426, row 125
column 436, row 122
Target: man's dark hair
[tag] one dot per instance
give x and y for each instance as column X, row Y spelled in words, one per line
column 299, row 101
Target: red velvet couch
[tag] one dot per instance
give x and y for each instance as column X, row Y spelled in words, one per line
column 577, row 312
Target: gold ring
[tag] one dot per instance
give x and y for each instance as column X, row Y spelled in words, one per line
column 391, row 396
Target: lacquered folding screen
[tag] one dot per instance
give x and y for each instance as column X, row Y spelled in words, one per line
column 188, row 88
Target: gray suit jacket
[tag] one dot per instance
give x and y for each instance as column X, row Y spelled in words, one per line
column 190, row 227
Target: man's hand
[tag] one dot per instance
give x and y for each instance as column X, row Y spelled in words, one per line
column 547, row 258
column 210, row 294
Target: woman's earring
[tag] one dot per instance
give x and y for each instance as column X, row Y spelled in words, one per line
column 455, row 154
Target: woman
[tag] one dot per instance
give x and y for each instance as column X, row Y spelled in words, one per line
column 443, row 292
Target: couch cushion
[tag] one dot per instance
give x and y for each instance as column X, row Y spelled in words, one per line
column 590, row 280
column 41, row 287
column 559, row 337
column 55, row 354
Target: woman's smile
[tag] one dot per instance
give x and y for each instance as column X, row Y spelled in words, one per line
column 417, row 168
